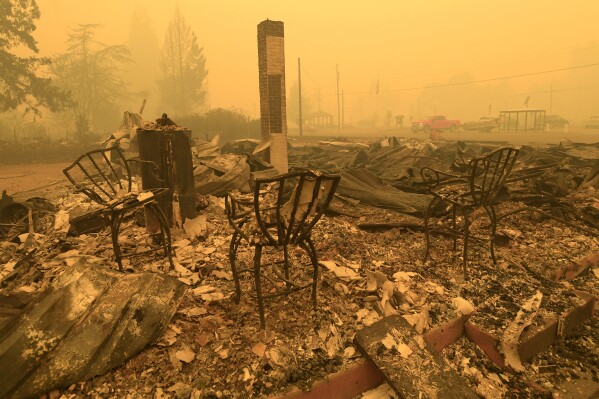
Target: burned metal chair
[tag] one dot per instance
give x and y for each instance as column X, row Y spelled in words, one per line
column 104, row 176
column 479, row 187
column 281, row 212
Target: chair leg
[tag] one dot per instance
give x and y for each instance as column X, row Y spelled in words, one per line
column 232, row 258
column 115, row 222
column 493, row 216
column 427, row 215
column 308, row 246
column 314, row 258
column 286, row 265
column 466, row 237
column 162, row 232
column 258, row 283
column 163, row 221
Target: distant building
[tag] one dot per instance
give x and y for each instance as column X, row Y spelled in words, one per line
column 320, row 119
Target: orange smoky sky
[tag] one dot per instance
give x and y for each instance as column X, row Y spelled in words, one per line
column 390, row 44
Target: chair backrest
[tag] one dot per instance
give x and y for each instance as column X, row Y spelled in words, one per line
column 98, row 176
column 489, row 172
column 297, row 201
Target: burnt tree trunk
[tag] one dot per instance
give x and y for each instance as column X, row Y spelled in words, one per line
column 169, row 147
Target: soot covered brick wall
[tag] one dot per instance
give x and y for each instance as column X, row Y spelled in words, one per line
column 271, row 63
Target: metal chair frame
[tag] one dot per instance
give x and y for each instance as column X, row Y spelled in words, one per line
column 295, row 230
column 479, row 188
column 104, row 186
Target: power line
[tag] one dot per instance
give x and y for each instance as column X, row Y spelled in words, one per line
column 310, row 76
column 513, row 95
column 546, row 55
column 511, row 61
column 479, row 81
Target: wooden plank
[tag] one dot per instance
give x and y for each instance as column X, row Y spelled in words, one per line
column 410, row 365
column 441, row 337
column 576, row 268
column 345, row 384
column 486, row 342
column 532, row 343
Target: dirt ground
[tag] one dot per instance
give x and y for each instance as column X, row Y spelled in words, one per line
column 234, row 359
column 28, row 180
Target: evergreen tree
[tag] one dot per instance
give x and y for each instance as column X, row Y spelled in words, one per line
column 184, row 71
column 91, row 72
column 20, row 79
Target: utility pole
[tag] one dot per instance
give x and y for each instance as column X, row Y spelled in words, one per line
column 342, row 110
column 299, row 83
column 551, row 99
column 338, row 102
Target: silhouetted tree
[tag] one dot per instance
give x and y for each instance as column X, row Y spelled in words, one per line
column 231, row 124
column 183, row 69
column 20, row 82
column 90, row 71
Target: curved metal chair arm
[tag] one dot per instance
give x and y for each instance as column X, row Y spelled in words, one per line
column 489, row 173
column 154, row 167
column 306, row 234
column 256, row 206
column 236, row 220
column 240, row 201
column 432, row 177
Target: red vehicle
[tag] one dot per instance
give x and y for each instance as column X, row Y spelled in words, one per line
column 437, row 122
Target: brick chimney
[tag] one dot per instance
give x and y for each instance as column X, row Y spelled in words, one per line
column 273, row 115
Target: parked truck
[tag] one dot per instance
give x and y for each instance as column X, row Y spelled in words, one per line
column 436, row 122
column 484, row 124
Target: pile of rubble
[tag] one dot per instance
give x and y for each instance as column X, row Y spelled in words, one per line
column 370, row 247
